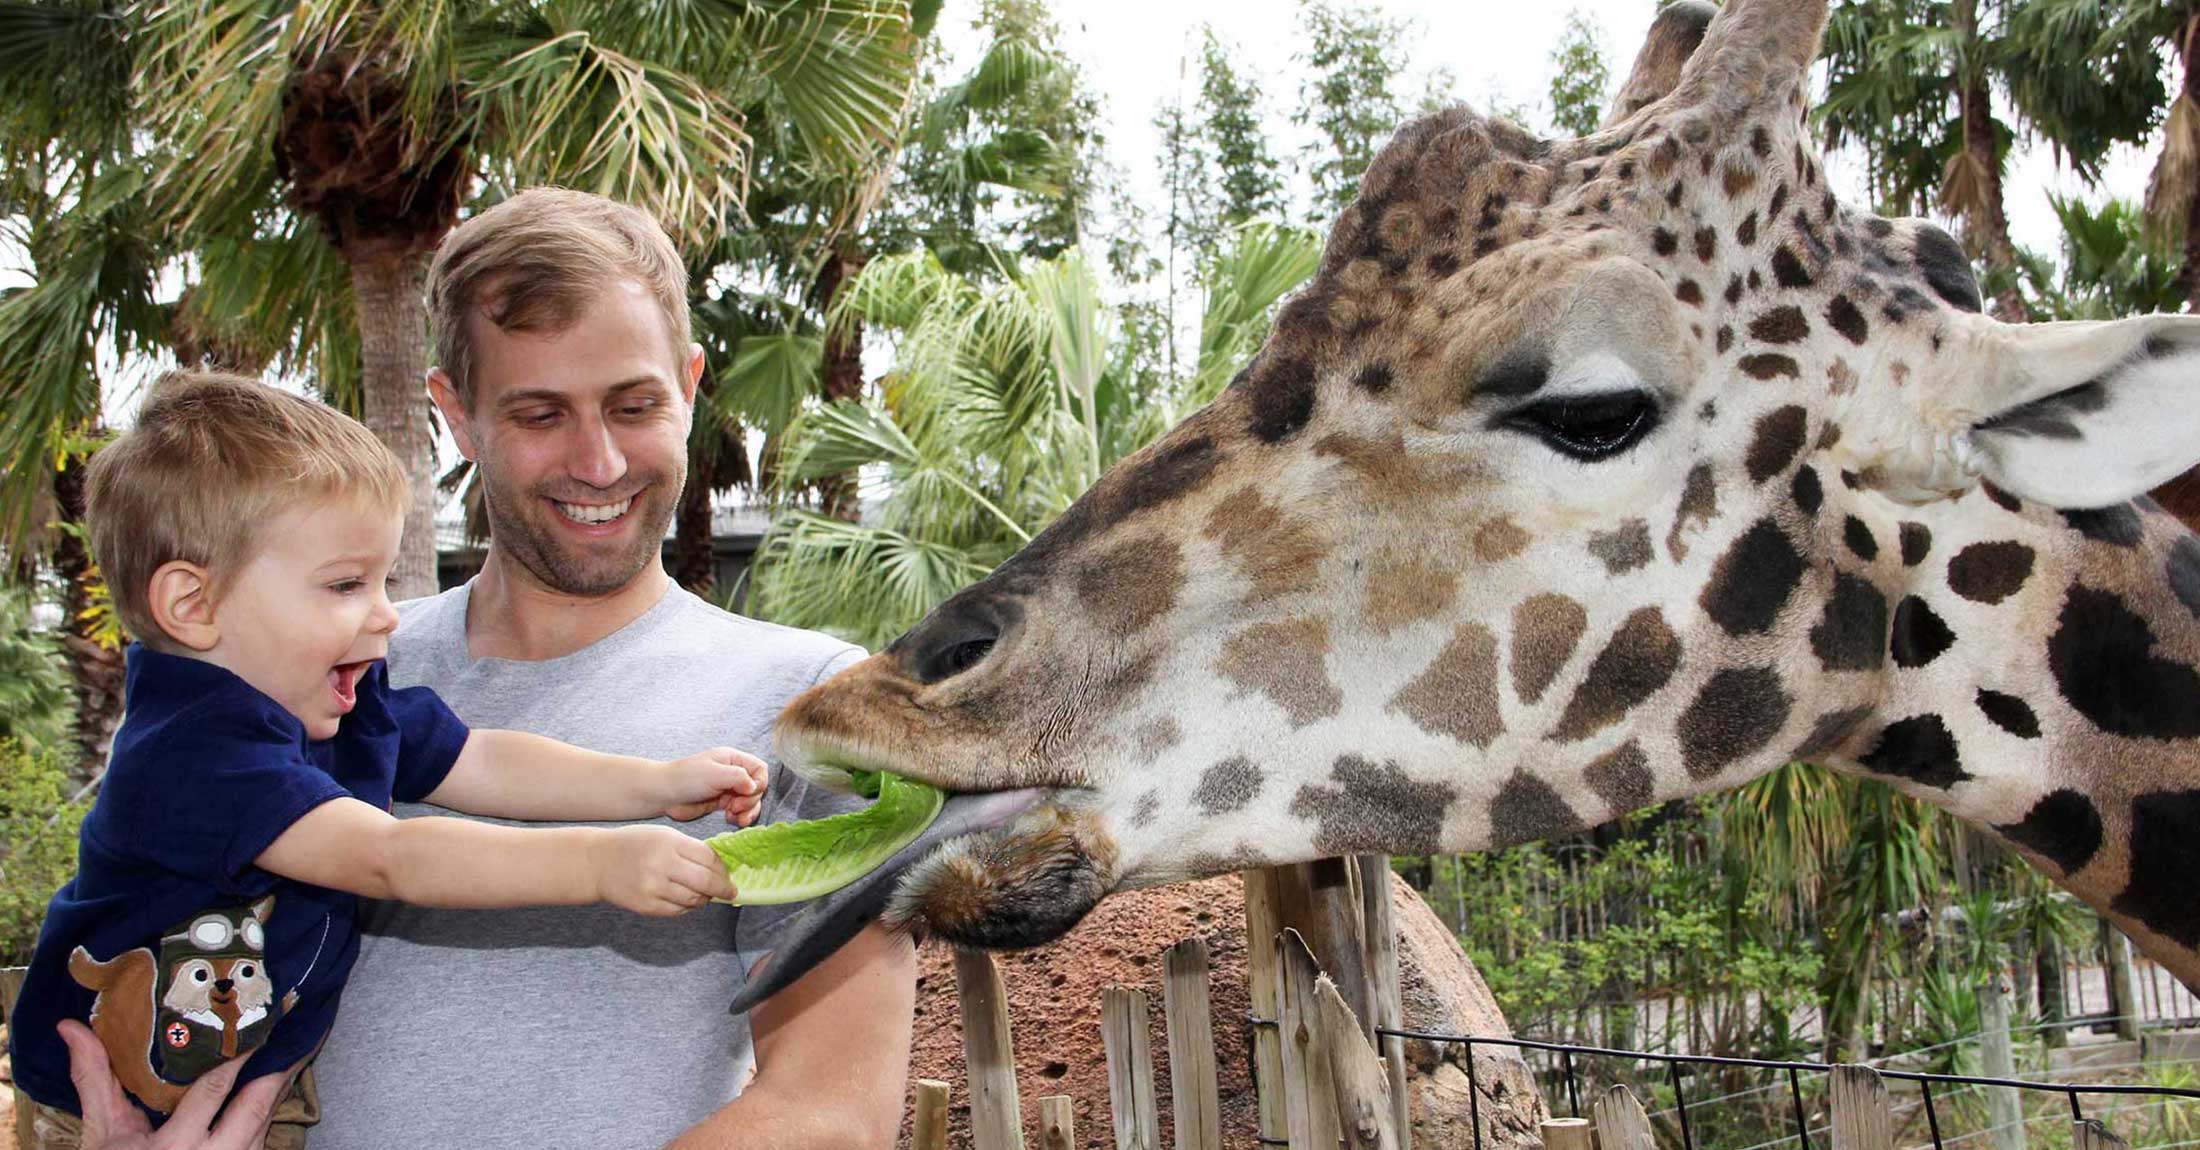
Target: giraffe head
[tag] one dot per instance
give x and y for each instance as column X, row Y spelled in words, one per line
column 1584, row 473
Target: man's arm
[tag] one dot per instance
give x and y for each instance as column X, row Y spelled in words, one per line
column 832, row 1056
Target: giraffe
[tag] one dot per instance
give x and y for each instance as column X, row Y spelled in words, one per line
column 1584, row 475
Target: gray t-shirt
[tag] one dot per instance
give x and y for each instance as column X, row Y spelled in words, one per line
column 570, row 1026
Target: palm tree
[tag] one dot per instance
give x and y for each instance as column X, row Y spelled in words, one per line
column 1007, row 398
column 1912, row 81
column 377, row 123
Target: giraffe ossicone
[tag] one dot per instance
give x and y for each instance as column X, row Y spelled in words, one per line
column 1587, row 474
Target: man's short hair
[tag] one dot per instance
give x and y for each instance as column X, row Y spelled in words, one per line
column 533, row 262
column 212, row 458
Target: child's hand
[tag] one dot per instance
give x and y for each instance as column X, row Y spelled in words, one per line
column 658, row 871
column 720, row 778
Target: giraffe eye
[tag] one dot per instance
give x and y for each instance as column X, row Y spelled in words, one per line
column 1588, row 427
column 965, row 655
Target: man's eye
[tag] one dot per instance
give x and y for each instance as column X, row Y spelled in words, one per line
column 636, row 410
column 536, row 418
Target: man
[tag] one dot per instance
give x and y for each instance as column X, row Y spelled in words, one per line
column 568, row 377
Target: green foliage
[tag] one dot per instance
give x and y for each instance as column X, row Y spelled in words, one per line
column 36, row 705
column 2109, row 266
column 1230, row 126
column 1580, row 76
column 38, row 826
column 1351, row 101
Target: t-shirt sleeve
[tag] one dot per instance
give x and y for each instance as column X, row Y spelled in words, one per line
column 430, row 736
column 223, row 788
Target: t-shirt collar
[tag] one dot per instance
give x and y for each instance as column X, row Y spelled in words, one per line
column 156, row 685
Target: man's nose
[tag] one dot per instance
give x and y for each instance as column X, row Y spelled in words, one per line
column 595, row 458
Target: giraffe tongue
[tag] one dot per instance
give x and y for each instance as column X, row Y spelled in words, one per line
column 826, row 924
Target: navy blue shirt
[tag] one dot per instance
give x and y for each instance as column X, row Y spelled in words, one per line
column 199, row 953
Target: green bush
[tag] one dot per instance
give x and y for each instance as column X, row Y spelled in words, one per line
column 36, row 706
column 38, row 826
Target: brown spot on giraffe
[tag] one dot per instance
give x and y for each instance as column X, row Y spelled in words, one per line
column 1287, row 662
column 1404, row 590
column 1635, row 664
column 1546, row 629
column 1278, row 553
column 1457, row 694
column 1622, row 778
column 1699, row 507
column 1499, row 539
column 1132, row 583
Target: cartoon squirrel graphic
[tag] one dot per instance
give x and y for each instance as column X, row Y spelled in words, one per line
column 205, row 998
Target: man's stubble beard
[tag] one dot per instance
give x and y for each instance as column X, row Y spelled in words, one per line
column 533, row 544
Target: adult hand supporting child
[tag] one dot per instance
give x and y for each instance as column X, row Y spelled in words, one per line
column 112, row 1122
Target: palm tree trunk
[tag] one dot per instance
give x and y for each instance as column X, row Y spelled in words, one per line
column 1985, row 220
column 96, row 670
column 694, row 566
column 2188, row 276
column 842, row 377
column 389, row 280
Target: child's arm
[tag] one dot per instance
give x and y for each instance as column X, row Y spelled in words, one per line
column 514, row 775
column 346, row 845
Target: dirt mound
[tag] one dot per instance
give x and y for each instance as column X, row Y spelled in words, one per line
column 1054, row 1006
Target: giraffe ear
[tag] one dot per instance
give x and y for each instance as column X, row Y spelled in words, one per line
column 2085, row 414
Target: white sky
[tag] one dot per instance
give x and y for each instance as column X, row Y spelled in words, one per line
column 1138, row 54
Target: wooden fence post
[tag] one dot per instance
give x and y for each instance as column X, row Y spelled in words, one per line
column 2123, row 981
column 1264, row 984
column 1057, row 1123
column 1195, row 1099
column 1336, row 933
column 1363, row 1084
column 1861, row 1120
column 1311, row 1113
column 2093, row 1134
column 1568, row 1134
column 928, row 1131
column 1620, row 1121
column 1137, row 1117
column 1384, row 982
column 2004, row 1110
column 989, row 1053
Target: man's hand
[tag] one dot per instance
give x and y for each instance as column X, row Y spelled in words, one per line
column 720, row 778
column 657, row 871
column 111, row 1122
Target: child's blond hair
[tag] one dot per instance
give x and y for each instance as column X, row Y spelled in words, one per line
column 214, row 457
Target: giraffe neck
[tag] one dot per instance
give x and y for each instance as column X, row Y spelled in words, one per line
column 2042, row 684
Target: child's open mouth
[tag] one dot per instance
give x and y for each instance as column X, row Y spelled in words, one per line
column 344, row 680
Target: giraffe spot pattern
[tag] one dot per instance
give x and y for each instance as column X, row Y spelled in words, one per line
column 1527, row 809
column 1852, row 634
column 1622, row 778
column 2184, row 573
column 1780, row 434
column 1374, row 809
column 1499, row 539
column 1286, row 661
column 1374, row 379
column 1230, row 785
column 2102, row 656
column 1406, row 591
column 2165, row 854
column 1990, row 572
column 1784, row 324
column 1857, row 536
column 1919, row 636
column 1918, row 748
column 2009, row 712
column 2002, row 499
column 2064, row 828
column 1917, row 542
column 1639, row 659
column 1624, row 548
column 1946, row 269
column 1809, row 491
column 2118, row 525
column 1546, row 629
column 1829, row 732
column 1787, row 268
column 1148, row 808
column 1457, row 694
column 1843, row 317
column 1766, row 365
column 1282, row 400
column 1753, row 580
column 1737, row 712
column 1128, row 586
column 1277, row 552
column 1157, row 735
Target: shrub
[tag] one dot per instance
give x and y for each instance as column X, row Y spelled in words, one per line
column 38, row 825
column 36, row 706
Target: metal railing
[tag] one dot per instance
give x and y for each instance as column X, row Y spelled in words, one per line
column 1793, row 1070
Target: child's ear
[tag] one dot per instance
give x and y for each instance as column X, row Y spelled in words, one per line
column 455, row 415
column 183, row 604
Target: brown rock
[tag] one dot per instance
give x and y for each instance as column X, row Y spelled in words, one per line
column 1054, row 1003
